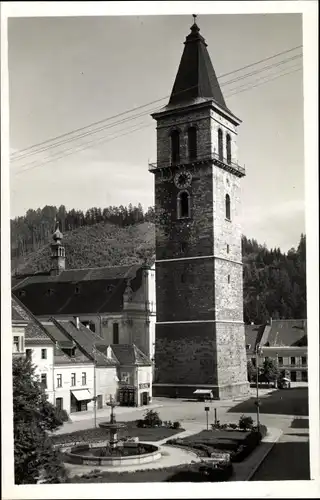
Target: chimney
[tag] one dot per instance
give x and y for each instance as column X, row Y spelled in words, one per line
column 77, row 321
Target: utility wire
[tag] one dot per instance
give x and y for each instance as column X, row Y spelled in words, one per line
column 17, row 154
column 70, row 139
column 243, row 88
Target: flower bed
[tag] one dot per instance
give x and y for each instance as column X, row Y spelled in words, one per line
column 239, row 444
column 97, row 434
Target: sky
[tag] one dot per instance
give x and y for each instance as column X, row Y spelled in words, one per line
column 68, row 72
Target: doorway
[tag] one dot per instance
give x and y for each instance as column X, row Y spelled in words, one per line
column 144, row 398
column 293, row 376
column 99, row 402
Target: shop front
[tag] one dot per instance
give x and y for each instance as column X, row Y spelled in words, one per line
column 79, row 400
column 127, row 395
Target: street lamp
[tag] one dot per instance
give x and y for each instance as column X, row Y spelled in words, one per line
column 257, row 403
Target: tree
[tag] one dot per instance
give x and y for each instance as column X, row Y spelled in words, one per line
column 270, row 370
column 33, row 415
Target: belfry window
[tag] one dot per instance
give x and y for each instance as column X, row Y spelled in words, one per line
column 228, row 148
column 192, row 143
column 175, row 146
column 220, row 144
column 183, row 205
column 228, row 212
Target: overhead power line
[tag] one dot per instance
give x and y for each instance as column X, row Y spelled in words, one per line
column 105, row 139
column 123, row 120
column 15, row 156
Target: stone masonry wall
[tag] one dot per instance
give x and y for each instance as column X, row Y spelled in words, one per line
column 185, row 290
column 186, row 354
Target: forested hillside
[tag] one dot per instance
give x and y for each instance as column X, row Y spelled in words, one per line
column 274, row 282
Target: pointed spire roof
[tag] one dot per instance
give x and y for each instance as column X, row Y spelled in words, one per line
column 196, row 77
column 57, row 235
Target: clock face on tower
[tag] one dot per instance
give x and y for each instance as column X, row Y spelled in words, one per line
column 182, row 180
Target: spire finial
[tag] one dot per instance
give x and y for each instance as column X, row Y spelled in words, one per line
column 194, row 18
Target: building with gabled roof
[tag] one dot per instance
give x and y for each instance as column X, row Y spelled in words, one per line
column 116, row 302
column 285, row 340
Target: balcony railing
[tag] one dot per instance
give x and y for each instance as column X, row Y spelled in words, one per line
column 214, row 157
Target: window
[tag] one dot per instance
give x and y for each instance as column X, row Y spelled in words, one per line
column 280, row 361
column 43, row 353
column 77, row 290
column 125, row 377
column 220, row 144
column 115, row 333
column 16, row 344
column 293, row 360
column 29, row 354
column 73, row 379
column 183, row 203
column 228, row 213
column 304, row 376
column 59, row 403
column 59, row 380
column 183, row 246
column 90, row 325
column 44, row 380
column 84, row 378
column 303, row 361
column 229, row 278
column 228, row 148
column 228, row 248
column 22, row 293
column 175, row 146
column 192, row 143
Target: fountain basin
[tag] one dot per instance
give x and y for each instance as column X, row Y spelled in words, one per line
column 86, row 454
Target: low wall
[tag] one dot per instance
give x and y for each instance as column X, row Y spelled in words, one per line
column 75, row 457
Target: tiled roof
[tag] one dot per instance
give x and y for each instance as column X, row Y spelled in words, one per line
column 34, row 329
column 287, row 332
column 196, row 79
column 253, row 334
column 284, row 332
column 79, row 291
column 87, row 340
column 130, row 355
column 60, row 334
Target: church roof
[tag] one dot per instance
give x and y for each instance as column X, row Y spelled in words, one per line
column 79, row 291
column 196, row 80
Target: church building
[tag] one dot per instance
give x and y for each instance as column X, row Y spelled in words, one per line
column 200, row 339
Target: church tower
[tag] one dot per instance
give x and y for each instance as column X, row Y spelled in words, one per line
column 58, row 257
column 200, row 340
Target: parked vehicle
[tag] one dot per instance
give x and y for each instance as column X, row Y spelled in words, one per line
column 284, row 383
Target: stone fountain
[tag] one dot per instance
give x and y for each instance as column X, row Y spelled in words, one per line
column 113, row 426
column 114, row 452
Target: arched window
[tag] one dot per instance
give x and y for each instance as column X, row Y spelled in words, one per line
column 183, row 203
column 228, row 213
column 228, row 148
column 175, row 146
column 220, row 144
column 192, row 143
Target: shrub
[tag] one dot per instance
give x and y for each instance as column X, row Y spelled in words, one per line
column 263, row 430
column 223, row 426
column 152, row 419
column 176, row 425
column 233, row 426
column 216, row 426
column 63, row 415
column 245, row 423
column 169, row 424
